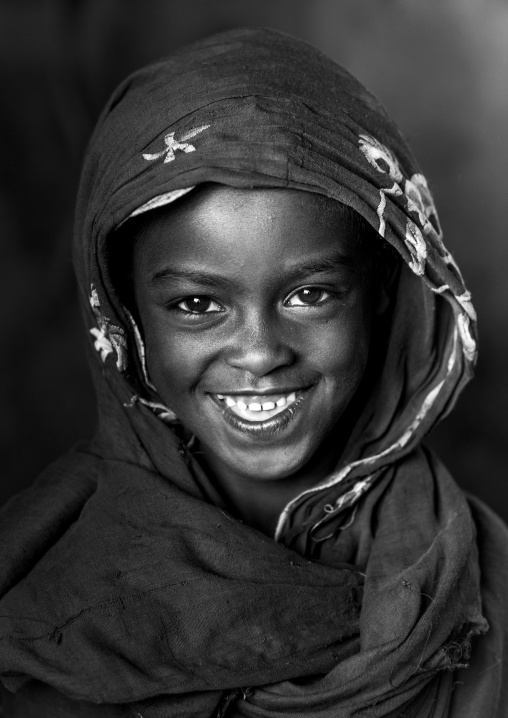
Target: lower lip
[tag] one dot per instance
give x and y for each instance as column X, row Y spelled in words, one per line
column 270, row 427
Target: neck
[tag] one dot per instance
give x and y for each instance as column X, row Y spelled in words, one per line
column 260, row 502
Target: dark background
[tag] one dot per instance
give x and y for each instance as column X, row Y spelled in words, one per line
column 440, row 67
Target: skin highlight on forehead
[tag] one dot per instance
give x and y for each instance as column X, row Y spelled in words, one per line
column 234, row 201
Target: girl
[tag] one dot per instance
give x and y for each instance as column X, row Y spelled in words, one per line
column 275, row 324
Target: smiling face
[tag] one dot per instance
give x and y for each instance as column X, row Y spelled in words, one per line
column 256, row 310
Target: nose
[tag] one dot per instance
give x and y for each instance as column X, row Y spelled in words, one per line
column 259, row 346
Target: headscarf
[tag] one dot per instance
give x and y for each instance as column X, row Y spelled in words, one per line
column 132, row 584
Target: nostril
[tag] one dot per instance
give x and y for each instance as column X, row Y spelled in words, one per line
column 258, row 359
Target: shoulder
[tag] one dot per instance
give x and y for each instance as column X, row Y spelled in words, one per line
column 33, row 520
column 482, row 688
column 492, row 539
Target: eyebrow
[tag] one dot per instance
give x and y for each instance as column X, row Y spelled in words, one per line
column 330, row 264
column 209, row 279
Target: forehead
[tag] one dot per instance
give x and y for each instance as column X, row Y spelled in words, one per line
column 231, row 226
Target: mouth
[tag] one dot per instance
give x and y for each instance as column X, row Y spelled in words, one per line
column 261, row 414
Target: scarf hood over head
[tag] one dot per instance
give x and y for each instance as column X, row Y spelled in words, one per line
column 259, row 109
column 154, row 597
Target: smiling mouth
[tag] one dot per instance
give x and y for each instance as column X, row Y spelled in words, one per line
column 260, row 414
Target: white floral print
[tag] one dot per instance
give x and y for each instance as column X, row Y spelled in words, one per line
column 172, row 145
column 468, row 342
column 423, row 232
column 416, row 193
column 394, row 191
column 101, row 343
column 420, row 201
column 109, row 339
column 375, row 151
column 417, row 247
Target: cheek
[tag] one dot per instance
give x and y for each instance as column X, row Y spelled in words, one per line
column 342, row 347
column 175, row 364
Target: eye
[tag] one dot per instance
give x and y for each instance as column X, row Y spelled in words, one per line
column 198, row 304
column 307, row 297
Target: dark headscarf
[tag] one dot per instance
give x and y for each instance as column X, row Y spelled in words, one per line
column 132, row 584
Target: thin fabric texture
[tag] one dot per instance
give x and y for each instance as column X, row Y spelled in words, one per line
column 124, row 581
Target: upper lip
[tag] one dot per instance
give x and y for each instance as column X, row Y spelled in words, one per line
column 262, row 392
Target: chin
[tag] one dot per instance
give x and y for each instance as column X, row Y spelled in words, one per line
column 270, row 466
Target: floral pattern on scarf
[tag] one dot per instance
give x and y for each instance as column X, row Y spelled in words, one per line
column 109, row 339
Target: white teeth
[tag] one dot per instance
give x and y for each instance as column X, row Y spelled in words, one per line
column 273, row 407
column 268, row 406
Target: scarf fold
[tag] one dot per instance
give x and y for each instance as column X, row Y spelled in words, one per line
column 126, row 581
column 176, row 611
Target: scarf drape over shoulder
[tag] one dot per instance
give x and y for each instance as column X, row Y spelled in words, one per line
column 123, row 579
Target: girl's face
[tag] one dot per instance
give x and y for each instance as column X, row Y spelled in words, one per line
column 255, row 307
